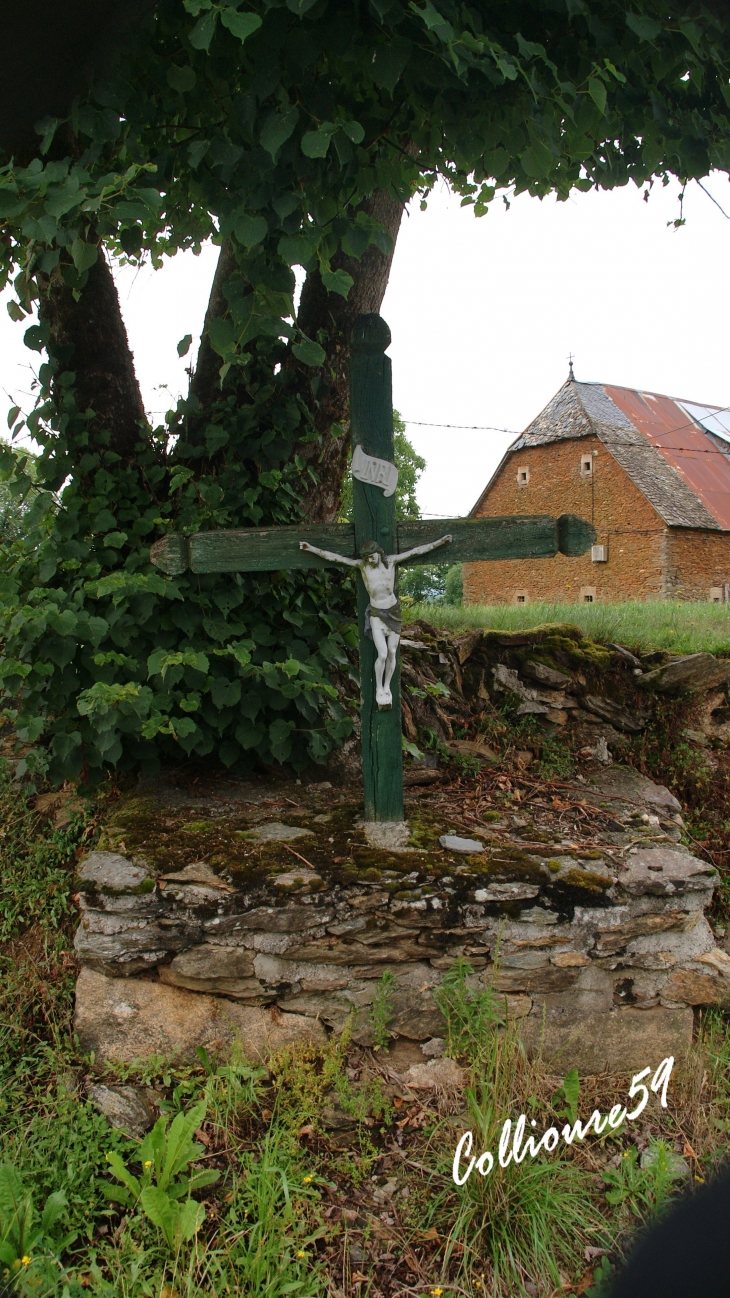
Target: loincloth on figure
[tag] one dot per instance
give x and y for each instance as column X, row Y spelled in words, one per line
column 392, row 618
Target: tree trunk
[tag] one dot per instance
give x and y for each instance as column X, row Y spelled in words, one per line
column 321, row 310
column 204, row 383
column 92, row 339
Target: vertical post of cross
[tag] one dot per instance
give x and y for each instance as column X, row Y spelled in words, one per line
column 371, row 422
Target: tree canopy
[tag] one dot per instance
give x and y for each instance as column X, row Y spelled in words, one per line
column 292, row 133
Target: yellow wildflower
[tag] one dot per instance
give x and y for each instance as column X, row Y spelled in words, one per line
column 436, row 1293
column 307, row 1179
column 148, row 1163
column 301, row 1252
column 25, row 1259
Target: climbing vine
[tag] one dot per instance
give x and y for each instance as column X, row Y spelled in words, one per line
column 268, row 126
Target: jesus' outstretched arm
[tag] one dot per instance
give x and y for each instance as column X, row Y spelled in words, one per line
column 420, row 549
column 329, row 555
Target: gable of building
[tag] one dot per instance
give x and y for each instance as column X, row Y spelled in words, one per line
column 688, row 488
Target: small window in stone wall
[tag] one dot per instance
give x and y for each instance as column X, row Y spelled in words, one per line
column 523, row 475
column 586, row 465
column 520, row 597
column 587, row 595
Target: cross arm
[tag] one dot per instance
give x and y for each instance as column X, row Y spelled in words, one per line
column 253, row 549
column 517, row 536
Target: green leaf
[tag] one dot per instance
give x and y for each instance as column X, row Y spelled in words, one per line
column 309, row 353
column 204, row 30
column 15, row 310
column 295, row 249
column 337, row 281
column 614, row 71
column 184, row 345
column 225, row 693
column 37, row 336
column 316, row 143
column 597, row 92
column 389, row 63
column 354, row 131
column 84, row 255
column 197, row 151
column 222, row 335
column 646, row 28
column 434, row 20
column 181, row 79
column 241, row 25
column 537, row 161
column 13, row 413
column 277, row 129
column 300, row 7
column 122, row 1174
column 250, row 230
column 54, row 1207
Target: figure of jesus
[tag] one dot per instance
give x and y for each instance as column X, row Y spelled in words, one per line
column 383, row 616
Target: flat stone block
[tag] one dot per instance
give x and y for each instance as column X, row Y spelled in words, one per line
column 621, row 1041
column 661, row 871
column 452, row 843
column 276, row 832
column 124, row 1107
column 219, row 970
column 134, row 1018
column 625, row 782
column 387, row 835
column 110, row 872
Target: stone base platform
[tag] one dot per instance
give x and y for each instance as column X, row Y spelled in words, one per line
column 273, row 918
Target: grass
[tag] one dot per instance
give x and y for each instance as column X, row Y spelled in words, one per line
column 657, row 624
column 294, row 1203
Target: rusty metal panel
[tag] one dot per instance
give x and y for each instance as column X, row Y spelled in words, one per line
column 683, row 443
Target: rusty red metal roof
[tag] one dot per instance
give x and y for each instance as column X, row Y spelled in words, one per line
column 682, row 441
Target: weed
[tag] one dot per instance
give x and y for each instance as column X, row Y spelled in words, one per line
column 568, row 1095
column 29, row 1244
column 643, row 1187
column 471, row 1012
column 381, row 1010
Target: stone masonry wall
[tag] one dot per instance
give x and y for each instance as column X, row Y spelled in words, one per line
column 270, row 912
column 635, row 534
column 697, row 563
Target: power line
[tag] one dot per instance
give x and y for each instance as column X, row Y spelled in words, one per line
column 472, row 428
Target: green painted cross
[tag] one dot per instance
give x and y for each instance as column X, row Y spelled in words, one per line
column 518, row 536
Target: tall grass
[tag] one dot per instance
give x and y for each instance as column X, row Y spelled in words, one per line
column 656, row 624
column 526, row 1224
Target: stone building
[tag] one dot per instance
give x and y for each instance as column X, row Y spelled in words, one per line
column 653, row 475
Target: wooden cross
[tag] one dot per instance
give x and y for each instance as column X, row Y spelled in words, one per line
column 518, row 536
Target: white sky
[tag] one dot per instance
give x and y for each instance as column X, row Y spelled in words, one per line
column 484, row 312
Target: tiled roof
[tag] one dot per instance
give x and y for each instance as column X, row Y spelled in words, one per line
column 681, row 469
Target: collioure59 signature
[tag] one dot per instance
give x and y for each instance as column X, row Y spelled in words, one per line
column 513, row 1146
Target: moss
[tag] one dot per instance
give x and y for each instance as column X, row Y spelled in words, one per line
column 554, row 866
column 371, row 875
column 130, row 812
column 199, row 826
column 490, row 816
column 147, row 885
column 589, row 854
column 586, row 879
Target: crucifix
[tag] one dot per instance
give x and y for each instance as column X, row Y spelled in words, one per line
column 375, row 543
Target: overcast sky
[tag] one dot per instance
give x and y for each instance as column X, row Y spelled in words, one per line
column 484, row 312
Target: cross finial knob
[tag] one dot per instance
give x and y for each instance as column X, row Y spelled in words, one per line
column 571, row 375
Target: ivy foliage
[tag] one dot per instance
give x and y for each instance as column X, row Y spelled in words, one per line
column 268, row 125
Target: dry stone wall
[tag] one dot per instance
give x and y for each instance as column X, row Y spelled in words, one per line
column 263, row 911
